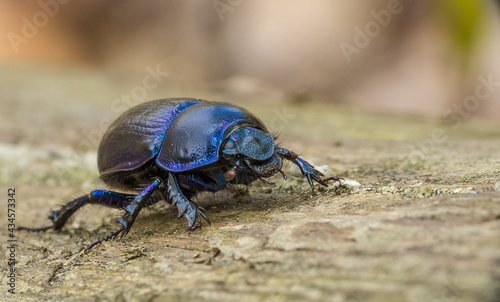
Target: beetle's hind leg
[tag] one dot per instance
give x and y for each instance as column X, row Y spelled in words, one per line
column 305, row 168
column 132, row 209
column 185, row 206
column 102, row 197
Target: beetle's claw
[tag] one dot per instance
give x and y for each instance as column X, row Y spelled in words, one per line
column 123, row 233
column 313, row 174
column 309, row 180
column 193, row 216
column 334, row 178
column 203, row 214
column 310, row 172
column 323, row 182
column 126, row 222
column 194, row 227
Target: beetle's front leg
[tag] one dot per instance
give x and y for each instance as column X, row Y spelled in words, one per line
column 305, row 168
column 185, row 206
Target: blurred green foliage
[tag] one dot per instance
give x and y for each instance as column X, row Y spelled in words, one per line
column 464, row 21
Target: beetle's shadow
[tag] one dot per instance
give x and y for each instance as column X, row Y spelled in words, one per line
column 233, row 202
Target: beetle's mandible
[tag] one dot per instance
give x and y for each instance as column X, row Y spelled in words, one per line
column 171, row 149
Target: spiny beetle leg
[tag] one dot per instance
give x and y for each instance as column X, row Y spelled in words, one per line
column 131, row 211
column 134, row 208
column 185, row 206
column 305, row 168
column 59, row 217
column 107, row 198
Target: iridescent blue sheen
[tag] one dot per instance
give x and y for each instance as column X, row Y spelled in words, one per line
column 195, row 137
column 100, row 193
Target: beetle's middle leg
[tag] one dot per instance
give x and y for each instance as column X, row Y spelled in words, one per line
column 131, row 211
column 305, row 168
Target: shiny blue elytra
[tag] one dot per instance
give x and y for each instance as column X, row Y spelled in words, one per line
column 195, row 137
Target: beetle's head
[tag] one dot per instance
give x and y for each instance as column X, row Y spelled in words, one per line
column 252, row 149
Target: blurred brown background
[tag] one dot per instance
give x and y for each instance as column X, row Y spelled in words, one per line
column 400, row 98
column 415, row 57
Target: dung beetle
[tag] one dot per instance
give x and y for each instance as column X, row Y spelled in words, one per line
column 173, row 148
